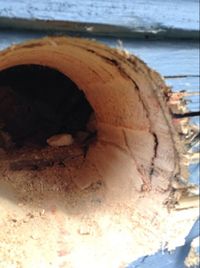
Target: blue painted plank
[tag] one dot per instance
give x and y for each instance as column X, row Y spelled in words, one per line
column 195, row 120
column 174, row 259
column 8, row 38
column 187, row 83
column 151, row 14
column 168, row 58
column 193, row 103
column 194, row 173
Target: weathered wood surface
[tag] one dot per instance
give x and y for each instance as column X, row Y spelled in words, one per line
column 109, row 134
column 97, row 29
column 138, row 19
column 152, row 14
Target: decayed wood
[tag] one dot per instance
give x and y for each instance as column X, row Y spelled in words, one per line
column 179, row 95
column 136, row 160
column 188, row 202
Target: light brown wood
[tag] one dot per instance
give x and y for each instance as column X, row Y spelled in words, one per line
column 131, row 168
column 188, row 202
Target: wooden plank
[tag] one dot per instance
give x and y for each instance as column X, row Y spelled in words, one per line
column 98, row 29
column 152, row 14
column 188, row 83
column 193, row 103
column 194, row 170
column 168, row 58
column 8, row 38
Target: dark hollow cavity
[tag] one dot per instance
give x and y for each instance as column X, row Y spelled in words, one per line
column 37, row 102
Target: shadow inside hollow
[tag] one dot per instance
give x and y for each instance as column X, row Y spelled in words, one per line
column 37, row 102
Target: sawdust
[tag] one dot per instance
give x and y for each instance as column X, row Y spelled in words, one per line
column 36, row 204
column 47, row 221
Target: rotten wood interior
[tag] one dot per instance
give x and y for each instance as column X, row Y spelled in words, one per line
column 137, row 160
column 38, row 102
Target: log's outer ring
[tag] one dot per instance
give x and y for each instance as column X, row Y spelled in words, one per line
column 123, row 91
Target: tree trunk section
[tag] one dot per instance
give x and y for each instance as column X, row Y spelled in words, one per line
column 128, row 196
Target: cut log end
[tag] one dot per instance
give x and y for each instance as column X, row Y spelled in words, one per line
column 131, row 167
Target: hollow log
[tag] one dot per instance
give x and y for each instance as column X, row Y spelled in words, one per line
column 124, row 198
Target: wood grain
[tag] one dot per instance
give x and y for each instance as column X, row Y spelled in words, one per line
column 136, row 19
column 134, row 14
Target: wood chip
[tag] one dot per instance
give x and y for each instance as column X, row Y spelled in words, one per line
column 60, row 140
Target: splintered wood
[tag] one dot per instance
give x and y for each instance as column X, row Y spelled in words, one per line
column 118, row 200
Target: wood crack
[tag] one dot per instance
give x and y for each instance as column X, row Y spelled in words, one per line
column 189, row 114
column 156, row 143
column 147, row 182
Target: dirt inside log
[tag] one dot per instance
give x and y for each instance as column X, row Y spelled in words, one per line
column 109, row 197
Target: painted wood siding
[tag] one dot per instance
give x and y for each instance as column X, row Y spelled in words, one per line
column 182, row 14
